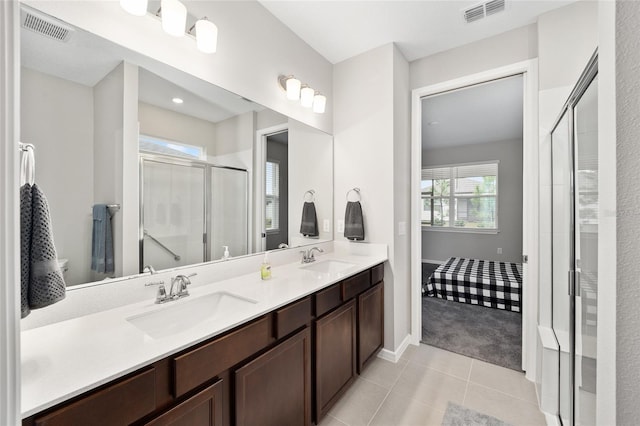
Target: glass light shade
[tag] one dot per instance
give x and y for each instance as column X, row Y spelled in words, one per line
column 306, row 97
column 174, row 17
column 134, row 7
column 293, row 89
column 319, row 103
column 206, row 36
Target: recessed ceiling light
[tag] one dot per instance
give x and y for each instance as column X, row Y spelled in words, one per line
column 433, row 123
column 177, row 101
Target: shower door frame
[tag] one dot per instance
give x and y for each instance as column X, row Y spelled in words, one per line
column 568, row 109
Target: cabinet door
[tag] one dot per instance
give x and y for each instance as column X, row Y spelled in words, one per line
column 370, row 324
column 202, row 409
column 275, row 388
column 335, row 356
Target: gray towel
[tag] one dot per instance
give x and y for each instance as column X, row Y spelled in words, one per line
column 309, row 223
column 46, row 283
column 102, row 240
column 353, row 221
column 25, row 246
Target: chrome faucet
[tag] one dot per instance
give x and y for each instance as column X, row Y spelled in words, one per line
column 308, row 255
column 177, row 290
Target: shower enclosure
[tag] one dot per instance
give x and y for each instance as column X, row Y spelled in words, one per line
column 574, row 158
column 189, row 210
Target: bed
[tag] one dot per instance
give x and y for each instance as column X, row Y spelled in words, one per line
column 479, row 282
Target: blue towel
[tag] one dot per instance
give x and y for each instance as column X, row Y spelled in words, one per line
column 102, row 240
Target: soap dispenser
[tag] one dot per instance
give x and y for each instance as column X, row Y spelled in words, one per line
column 265, row 268
column 225, row 255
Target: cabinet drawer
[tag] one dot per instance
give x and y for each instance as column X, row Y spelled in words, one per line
column 204, row 408
column 377, row 273
column 204, row 363
column 121, row 403
column 292, row 317
column 355, row 285
column 328, row 299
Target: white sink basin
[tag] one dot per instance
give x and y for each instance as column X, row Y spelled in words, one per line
column 329, row 266
column 176, row 317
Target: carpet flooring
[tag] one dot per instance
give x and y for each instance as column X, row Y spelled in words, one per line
column 457, row 415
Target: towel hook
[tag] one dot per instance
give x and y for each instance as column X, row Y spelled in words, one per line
column 26, row 146
column 357, row 191
column 313, row 196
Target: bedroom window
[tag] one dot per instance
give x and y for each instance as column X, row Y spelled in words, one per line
column 461, row 197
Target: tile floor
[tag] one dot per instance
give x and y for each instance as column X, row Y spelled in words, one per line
column 416, row 390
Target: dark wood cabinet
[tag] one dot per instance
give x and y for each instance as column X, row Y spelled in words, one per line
column 370, row 324
column 287, row 367
column 335, row 350
column 202, row 409
column 275, row 388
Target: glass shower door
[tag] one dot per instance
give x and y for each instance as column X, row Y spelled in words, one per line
column 586, row 253
column 172, row 213
column 229, row 211
column 562, row 257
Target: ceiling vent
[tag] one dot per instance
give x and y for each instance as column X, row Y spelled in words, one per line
column 482, row 10
column 45, row 25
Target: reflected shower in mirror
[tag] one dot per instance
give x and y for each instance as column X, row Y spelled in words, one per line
column 184, row 159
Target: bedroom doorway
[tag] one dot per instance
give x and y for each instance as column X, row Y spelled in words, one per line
column 473, row 194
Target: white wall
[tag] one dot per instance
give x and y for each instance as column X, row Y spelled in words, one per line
column 368, row 156
column 254, row 48
column 503, row 49
column 310, row 160
column 116, row 160
column 440, row 245
column 57, row 117
column 234, row 141
column 166, row 124
column 628, row 204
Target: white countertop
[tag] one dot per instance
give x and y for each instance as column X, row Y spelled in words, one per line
column 68, row 358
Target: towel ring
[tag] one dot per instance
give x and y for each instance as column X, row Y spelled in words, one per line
column 357, row 191
column 310, row 192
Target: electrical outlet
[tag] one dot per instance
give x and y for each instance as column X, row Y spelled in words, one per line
column 499, row 250
column 326, row 225
column 340, row 225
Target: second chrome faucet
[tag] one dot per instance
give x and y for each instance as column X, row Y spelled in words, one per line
column 308, row 255
column 177, row 290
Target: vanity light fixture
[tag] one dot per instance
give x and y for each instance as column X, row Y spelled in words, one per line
column 174, row 17
column 206, row 35
column 134, row 7
column 177, row 101
column 319, row 103
column 308, row 97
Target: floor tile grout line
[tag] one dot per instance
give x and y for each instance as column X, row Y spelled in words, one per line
column 438, row 371
column 466, row 388
column 507, row 394
column 388, row 393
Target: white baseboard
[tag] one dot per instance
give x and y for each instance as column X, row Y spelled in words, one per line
column 439, row 262
column 395, row 356
column 551, row 419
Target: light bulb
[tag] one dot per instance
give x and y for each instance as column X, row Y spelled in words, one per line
column 293, row 89
column 134, row 7
column 174, row 17
column 206, row 36
column 319, row 103
column 306, row 96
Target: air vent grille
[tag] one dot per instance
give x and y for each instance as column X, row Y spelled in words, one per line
column 45, row 26
column 494, row 6
column 482, row 10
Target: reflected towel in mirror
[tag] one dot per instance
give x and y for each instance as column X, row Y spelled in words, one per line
column 102, row 240
column 309, row 223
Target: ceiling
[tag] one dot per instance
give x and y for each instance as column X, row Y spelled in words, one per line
column 488, row 112
column 86, row 59
column 339, row 30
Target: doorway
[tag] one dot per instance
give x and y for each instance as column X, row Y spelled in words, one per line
column 529, row 191
column 276, row 190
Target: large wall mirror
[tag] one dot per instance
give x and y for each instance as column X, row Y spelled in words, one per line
column 179, row 168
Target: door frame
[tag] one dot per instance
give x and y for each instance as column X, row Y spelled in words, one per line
column 260, row 157
column 530, row 226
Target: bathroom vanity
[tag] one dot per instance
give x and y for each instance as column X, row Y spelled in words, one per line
column 271, row 363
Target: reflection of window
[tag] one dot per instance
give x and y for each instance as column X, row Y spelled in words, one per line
column 272, row 196
column 175, row 149
column 463, row 197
